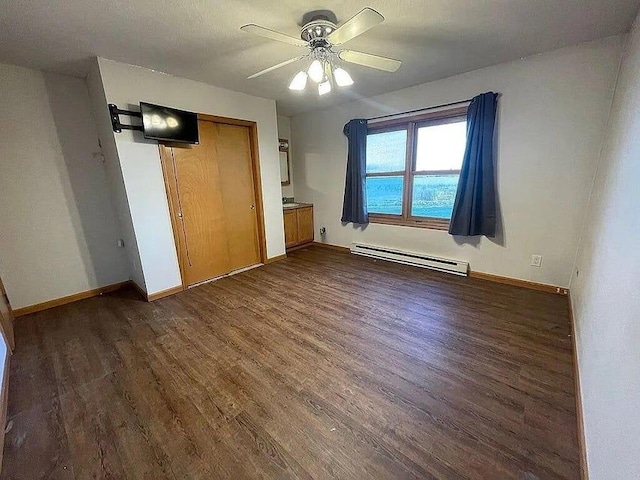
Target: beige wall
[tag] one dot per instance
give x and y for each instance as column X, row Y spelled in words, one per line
column 114, row 173
column 58, row 228
column 605, row 289
column 552, row 115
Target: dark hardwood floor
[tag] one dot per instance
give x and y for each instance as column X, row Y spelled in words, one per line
column 323, row 365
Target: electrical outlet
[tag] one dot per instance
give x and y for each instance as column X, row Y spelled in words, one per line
column 536, row 260
column 323, row 230
column 120, row 243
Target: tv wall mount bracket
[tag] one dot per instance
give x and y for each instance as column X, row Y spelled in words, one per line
column 115, row 112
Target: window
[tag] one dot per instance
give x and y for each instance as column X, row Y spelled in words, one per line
column 413, row 166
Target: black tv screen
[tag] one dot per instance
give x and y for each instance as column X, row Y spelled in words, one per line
column 169, row 124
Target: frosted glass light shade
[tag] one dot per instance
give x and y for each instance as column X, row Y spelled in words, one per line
column 343, row 79
column 299, row 82
column 324, row 87
column 316, row 72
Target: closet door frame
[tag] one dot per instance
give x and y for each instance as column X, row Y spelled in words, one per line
column 168, row 171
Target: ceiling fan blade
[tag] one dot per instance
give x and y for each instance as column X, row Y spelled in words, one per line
column 273, row 35
column 358, row 24
column 369, row 60
column 275, row 67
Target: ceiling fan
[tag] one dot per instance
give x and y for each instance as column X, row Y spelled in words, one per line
column 320, row 35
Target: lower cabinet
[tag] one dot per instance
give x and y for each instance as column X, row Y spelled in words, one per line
column 298, row 226
column 290, row 227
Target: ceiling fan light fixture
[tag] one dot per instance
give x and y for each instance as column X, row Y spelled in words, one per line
column 342, row 77
column 299, row 82
column 324, row 87
column 320, row 33
column 316, row 72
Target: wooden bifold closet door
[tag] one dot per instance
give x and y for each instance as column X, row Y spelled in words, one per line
column 214, row 204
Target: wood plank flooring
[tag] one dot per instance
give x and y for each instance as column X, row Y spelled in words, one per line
column 323, row 365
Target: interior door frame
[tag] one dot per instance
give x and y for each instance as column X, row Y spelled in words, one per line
column 9, row 339
column 168, row 172
column 9, row 336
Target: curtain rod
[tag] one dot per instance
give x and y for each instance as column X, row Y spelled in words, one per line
column 420, row 109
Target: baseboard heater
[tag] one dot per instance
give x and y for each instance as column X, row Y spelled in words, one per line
column 411, row 258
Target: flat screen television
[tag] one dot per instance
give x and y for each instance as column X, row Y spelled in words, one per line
column 168, row 124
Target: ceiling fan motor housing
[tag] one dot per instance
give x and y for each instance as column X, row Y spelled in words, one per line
column 316, row 27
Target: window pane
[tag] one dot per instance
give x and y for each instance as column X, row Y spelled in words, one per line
column 386, row 151
column 441, row 147
column 384, row 195
column 433, row 195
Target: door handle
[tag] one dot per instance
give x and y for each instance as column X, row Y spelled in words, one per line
column 253, row 207
column 180, row 215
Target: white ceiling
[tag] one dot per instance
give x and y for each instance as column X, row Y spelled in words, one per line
column 202, row 40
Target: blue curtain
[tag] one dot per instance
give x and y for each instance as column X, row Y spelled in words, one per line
column 354, row 206
column 474, row 209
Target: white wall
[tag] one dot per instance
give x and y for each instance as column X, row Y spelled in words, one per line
column 284, row 131
column 606, row 292
column 114, row 173
column 552, row 115
column 58, row 229
column 126, row 86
